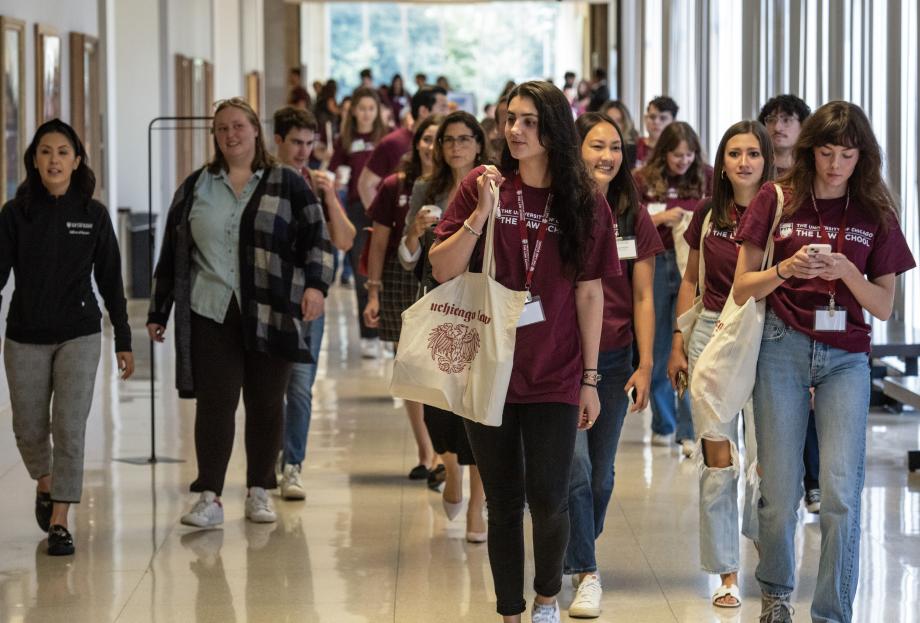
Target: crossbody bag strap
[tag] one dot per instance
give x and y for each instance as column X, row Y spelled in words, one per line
column 768, row 250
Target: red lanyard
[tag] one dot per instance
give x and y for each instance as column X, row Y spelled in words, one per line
column 826, row 238
column 530, row 264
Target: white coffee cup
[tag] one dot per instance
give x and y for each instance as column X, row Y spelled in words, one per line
column 343, row 174
column 433, row 210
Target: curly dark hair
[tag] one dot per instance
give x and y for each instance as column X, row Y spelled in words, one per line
column 621, row 194
column 443, row 177
column 664, row 103
column 722, row 190
column 654, row 174
column 789, row 104
column 845, row 124
column 574, row 192
column 82, row 181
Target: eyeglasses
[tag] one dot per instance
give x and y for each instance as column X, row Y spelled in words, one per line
column 459, row 141
column 781, row 119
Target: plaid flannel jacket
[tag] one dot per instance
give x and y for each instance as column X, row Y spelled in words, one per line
column 284, row 249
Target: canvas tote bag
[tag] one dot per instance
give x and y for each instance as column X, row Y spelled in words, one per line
column 456, row 347
column 723, row 378
column 687, row 320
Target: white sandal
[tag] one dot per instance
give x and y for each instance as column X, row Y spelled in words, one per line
column 727, row 591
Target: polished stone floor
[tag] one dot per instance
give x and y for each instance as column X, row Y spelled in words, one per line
column 368, row 544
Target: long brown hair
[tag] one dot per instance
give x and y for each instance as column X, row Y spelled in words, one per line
column 621, row 193
column 845, row 124
column 722, row 190
column 654, row 175
column 350, row 123
column 262, row 159
column 442, row 178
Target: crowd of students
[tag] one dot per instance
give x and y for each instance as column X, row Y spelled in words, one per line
column 627, row 234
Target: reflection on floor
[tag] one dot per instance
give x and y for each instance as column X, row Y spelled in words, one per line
column 368, row 544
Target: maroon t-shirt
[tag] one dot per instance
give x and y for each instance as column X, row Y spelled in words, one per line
column 720, row 253
column 671, row 201
column 547, row 357
column 390, row 206
column 874, row 252
column 618, row 293
column 355, row 156
column 391, row 148
column 643, row 151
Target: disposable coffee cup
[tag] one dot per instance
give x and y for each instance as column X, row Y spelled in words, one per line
column 343, row 174
column 433, row 210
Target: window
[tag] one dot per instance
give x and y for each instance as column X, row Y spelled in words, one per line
column 478, row 47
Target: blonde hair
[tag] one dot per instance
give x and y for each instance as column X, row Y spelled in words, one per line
column 262, row 159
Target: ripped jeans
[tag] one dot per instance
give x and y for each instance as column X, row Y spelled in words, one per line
column 719, row 542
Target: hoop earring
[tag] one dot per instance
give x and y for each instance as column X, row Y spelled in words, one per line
column 722, row 175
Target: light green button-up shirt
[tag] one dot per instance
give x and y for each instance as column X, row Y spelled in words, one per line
column 215, row 225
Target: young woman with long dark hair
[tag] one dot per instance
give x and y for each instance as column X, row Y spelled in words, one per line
column 391, row 289
column 629, row 313
column 815, row 335
column 552, row 239
column 56, row 238
column 671, row 184
column 744, row 161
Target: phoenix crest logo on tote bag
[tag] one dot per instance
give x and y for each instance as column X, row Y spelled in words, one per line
column 453, row 346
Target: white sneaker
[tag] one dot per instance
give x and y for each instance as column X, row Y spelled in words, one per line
column 545, row 613
column 587, row 601
column 687, row 447
column 661, row 440
column 207, row 512
column 370, row 348
column 259, row 506
column 291, row 486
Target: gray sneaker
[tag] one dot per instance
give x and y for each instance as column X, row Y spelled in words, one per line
column 775, row 609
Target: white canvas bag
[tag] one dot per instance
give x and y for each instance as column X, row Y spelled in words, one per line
column 723, row 378
column 456, row 347
column 687, row 320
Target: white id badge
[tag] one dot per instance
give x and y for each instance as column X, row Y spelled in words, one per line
column 656, row 208
column 532, row 314
column 626, row 248
column 358, row 145
column 827, row 319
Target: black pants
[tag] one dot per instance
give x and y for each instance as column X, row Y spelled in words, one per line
column 361, row 221
column 221, row 367
column 530, row 453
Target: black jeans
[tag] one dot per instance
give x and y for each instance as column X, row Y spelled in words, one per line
column 529, row 454
column 361, row 221
column 222, row 367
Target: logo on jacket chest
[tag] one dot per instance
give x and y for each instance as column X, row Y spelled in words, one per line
column 75, row 228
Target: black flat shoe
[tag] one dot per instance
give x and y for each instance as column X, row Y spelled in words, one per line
column 437, row 476
column 60, row 543
column 43, row 507
column 419, row 472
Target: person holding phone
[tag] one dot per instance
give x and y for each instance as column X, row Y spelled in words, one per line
column 460, row 145
column 57, row 239
column 744, row 161
column 629, row 313
column 671, row 184
column 815, row 335
column 552, row 240
column 391, row 289
column 246, row 262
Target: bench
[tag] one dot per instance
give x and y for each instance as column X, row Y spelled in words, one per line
column 894, row 352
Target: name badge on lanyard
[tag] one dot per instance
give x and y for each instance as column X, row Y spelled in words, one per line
column 656, row 207
column 626, row 248
column 832, row 318
column 533, row 307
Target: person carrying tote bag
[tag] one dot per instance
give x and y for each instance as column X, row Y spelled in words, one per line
column 552, row 239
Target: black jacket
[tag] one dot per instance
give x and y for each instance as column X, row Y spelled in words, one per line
column 53, row 245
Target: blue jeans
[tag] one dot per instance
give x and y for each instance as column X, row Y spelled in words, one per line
column 591, row 483
column 299, row 405
column 789, row 363
column 720, row 550
column 665, row 416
